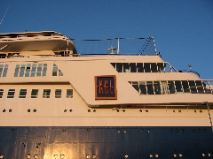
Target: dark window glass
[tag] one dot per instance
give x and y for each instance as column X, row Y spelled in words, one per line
column 147, row 67
column 69, row 93
column 34, row 93
column 22, row 93
column 206, row 88
column 22, row 70
column 171, row 86
column 150, row 87
column 135, row 85
column 58, row 93
column 119, row 67
column 133, row 67
column 160, row 67
column 154, row 67
column 17, row 71
column 157, row 87
column 44, row 71
column 11, row 93
column 140, row 67
column 38, row 71
column 27, row 72
column 142, row 88
column 164, row 87
column 192, row 86
column 199, row 87
column 33, row 71
column 46, row 93
column 1, row 93
column 126, row 67
column 5, row 70
column 185, row 86
column 178, row 86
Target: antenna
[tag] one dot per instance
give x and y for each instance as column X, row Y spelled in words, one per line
column 118, row 46
column 4, row 15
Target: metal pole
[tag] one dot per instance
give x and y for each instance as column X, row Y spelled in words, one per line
column 209, row 114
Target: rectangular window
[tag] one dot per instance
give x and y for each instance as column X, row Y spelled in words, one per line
column 164, row 87
column 27, row 72
column 22, row 93
column 147, row 67
column 126, row 67
column 193, row 86
column 69, row 93
column 171, row 87
column 22, row 70
column 140, row 67
column 34, row 93
column 178, row 86
column 58, row 93
column 133, row 67
column 11, row 93
column 143, row 89
column 55, row 70
column 150, row 89
column 1, row 93
column 185, row 86
column 33, row 71
column 46, row 93
column 154, row 67
column 3, row 70
column 39, row 68
column 135, row 85
column 157, row 87
column 199, row 87
column 44, row 70
column 17, row 69
column 160, row 67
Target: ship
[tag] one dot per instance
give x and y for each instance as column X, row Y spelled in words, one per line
column 56, row 103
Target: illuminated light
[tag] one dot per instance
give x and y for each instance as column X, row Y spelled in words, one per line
column 209, row 154
column 1, row 156
column 175, row 155
column 28, row 156
column 87, row 156
column 62, row 156
column 150, row 156
column 203, row 154
column 93, row 156
column 156, row 155
column 180, row 155
column 124, row 131
column 36, row 156
column 126, row 156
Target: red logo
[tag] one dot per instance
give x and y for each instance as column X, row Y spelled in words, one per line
column 105, row 87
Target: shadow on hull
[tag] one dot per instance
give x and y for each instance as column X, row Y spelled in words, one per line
column 105, row 142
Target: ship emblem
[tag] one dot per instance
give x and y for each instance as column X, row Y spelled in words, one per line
column 105, row 87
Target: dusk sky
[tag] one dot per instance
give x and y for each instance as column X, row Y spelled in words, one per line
column 183, row 28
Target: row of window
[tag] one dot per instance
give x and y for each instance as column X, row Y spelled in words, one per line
column 3, row 70
column 142, row 67
column 33, row 70
column 171, row 87
column 46, row 93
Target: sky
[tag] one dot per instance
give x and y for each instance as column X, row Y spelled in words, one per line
column 183, row 29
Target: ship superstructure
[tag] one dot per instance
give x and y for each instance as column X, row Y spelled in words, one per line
column 58, row 104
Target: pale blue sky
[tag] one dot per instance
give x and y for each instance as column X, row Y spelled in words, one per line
column 183, row 28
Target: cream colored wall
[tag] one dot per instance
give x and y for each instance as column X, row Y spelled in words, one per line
column 80, row 73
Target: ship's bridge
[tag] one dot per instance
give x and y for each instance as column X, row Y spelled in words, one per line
column 45, row 43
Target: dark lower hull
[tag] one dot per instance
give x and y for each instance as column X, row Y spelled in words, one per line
column 106, row 142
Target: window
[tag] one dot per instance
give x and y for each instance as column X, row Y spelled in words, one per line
column 11, row 93
column 178, row 86
column 143, row 88
column 22, row 93
column 192, row 86
column 46, row 93
column 199, row 87
column 147, row 67
column 171, row 87
column 1, row 93
column 58, row 93
column 185, row 86
column 160, row 67
column 30, row 70
column 140, row 67
column 3, row 70
column 154, row 67
column 69, row 93
column 135, row 85
column 34, row 93
column 164, row 87
column 150, row 89
column 56, row 71
column 132, row 67
column 157, row 87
